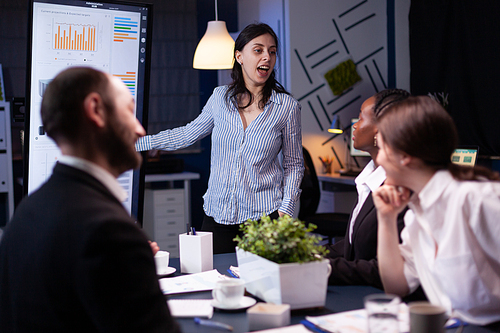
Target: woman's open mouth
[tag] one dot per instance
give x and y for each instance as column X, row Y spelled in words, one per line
column 263, row 70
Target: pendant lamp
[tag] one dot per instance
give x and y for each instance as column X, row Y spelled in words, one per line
column 216, row 49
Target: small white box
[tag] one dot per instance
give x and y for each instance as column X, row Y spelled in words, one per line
column 267, row 315
column 196, row 252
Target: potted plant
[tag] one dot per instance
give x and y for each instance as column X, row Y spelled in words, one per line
column 282, row 263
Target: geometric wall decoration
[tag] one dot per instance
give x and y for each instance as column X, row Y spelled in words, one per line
column 324, row 34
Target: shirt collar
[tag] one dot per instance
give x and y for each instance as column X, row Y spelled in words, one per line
column 276, row 98
column 106, row 178
column 371, row 176
column 433, row 189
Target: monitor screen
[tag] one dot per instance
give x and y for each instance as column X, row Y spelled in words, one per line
column 465, row 156
column 354, row 151
column 112, row 36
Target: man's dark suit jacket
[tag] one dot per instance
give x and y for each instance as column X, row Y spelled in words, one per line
column 356, row 263
column 72, row 260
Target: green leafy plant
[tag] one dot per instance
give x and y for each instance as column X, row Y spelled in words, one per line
column 342, row 77
column 284, row 240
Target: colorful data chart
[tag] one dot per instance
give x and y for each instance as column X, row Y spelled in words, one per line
column 77, row 37
column 129, row 78
column 125, row 29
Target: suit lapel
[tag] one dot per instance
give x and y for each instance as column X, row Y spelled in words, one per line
column 368, row 206
column 347, row 244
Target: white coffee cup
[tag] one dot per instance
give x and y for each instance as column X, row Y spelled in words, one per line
column 161, row 261
column 229, row 293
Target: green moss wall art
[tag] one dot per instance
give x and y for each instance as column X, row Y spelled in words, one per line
column 342, row 77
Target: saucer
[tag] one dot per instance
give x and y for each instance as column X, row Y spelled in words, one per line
column 169, row 271
column 245, row 302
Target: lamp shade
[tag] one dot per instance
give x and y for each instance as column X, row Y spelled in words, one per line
column 216, row 49
column 336, row 128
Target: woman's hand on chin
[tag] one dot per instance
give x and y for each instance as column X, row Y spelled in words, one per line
column 390, row 200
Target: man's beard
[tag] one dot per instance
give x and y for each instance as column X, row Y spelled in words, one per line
column 119, row 147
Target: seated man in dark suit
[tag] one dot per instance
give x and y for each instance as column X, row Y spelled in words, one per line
column 72, row 258
column 353, row 259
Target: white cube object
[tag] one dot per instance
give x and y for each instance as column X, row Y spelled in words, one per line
column 266, row 315
column 196, row 252
column 300, row 285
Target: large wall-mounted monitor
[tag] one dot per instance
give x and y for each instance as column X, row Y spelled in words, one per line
column 112, row 36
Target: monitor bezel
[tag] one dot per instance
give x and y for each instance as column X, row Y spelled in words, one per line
column 137, row 202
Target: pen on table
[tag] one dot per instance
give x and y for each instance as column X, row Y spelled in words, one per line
column 214, row 324
column 312, row 327
column 233, row 274
column 194, row 231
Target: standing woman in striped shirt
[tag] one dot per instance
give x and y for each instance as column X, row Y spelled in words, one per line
column 251, row 121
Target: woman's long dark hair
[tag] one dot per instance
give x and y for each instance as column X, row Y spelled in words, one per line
column 420, row 127
column 238, row 87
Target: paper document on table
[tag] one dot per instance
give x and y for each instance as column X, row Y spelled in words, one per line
column 190, row 283
column 187, row 308
column 287, row 329
column 356, row 321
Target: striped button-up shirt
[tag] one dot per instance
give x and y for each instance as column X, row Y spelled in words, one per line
column 246, row 176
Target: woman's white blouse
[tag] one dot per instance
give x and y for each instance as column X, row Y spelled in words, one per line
column 451, row 246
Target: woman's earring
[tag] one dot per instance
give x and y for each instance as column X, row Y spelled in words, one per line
column 375, row 141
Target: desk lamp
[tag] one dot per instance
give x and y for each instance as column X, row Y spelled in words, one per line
column 336, row 128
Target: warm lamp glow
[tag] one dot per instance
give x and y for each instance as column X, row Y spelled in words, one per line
column 335, row 127
column 216, row 48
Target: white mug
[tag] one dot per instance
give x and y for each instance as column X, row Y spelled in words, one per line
column 161, row 261
column 229, row 293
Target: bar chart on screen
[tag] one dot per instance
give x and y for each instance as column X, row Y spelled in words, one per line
column 129, row 78
column 125, row 29
column 76, row 37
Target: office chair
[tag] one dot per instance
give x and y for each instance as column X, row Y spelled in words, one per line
column 330, row 225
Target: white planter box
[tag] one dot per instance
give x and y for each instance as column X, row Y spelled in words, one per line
column 300, row 285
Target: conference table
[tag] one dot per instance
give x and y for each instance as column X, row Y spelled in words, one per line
column 338, row 299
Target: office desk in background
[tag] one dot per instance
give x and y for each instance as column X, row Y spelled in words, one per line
column 338, row 299
column 338, row 193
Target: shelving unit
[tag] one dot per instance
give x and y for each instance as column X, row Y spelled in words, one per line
column 167, row 212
